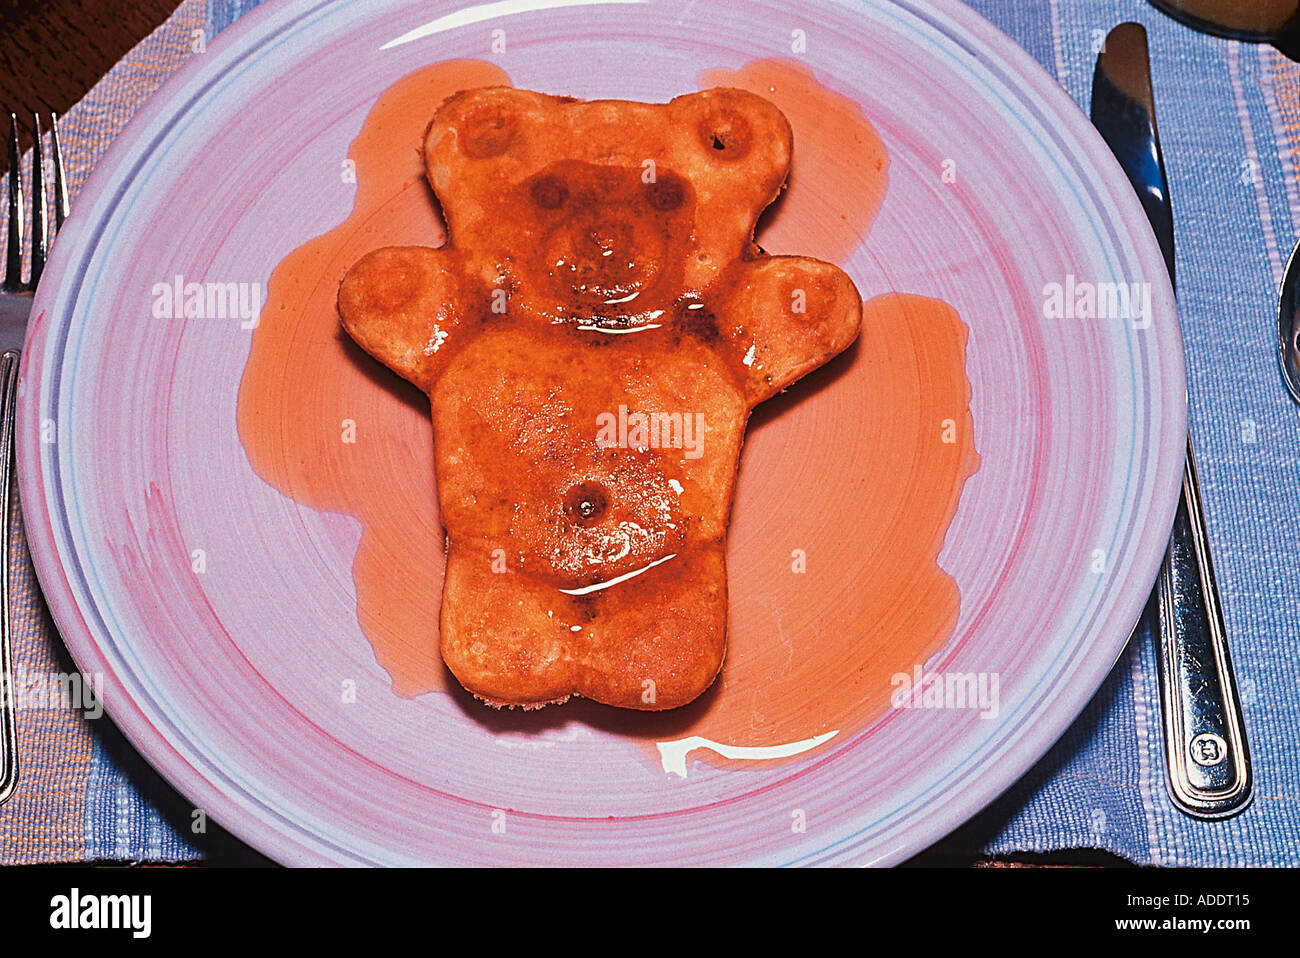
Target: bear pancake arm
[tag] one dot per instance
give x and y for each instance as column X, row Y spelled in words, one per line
column 787, row 315
column 402, row 305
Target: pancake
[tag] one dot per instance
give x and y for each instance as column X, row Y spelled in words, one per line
column 592, row 338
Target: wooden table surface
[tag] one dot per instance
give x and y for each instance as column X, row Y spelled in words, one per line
column 53, row 51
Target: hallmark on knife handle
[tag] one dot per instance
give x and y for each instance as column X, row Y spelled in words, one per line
column 1208, row 758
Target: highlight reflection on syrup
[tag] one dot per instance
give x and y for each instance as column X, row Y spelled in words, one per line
column 810, row 653
column 597, row 586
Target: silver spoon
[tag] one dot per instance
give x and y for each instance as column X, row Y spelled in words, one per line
column 1288, row 325
column 1260, row 21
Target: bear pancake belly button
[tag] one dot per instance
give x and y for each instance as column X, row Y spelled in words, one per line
column 585, row 503
column 592, row 338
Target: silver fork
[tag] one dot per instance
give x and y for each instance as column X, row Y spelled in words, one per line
column 15, row 307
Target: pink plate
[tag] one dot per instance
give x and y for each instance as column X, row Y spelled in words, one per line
column 241, row 641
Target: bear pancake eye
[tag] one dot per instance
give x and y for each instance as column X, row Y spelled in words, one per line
column 549, row 192
column 666, row 192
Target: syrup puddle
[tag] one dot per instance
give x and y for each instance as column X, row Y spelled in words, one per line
column 812, row 641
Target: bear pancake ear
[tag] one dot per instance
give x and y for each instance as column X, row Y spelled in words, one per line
column 735, row 133
column 734, row 144
column 480, row 144
column 478, row 126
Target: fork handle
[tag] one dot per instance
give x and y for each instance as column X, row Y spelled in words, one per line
column 1205, row 740
column 8, row 415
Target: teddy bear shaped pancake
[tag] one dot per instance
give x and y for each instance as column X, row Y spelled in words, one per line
column 592, row 337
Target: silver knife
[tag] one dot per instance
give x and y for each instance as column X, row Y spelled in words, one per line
column 1205, row 737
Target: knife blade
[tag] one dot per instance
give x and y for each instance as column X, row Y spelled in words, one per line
column 1207, row 755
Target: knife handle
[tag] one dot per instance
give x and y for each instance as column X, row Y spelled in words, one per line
column 1205, row 741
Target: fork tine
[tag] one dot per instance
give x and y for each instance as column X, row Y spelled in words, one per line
column 60, row 180
column 14, row 260
column 40, row 234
